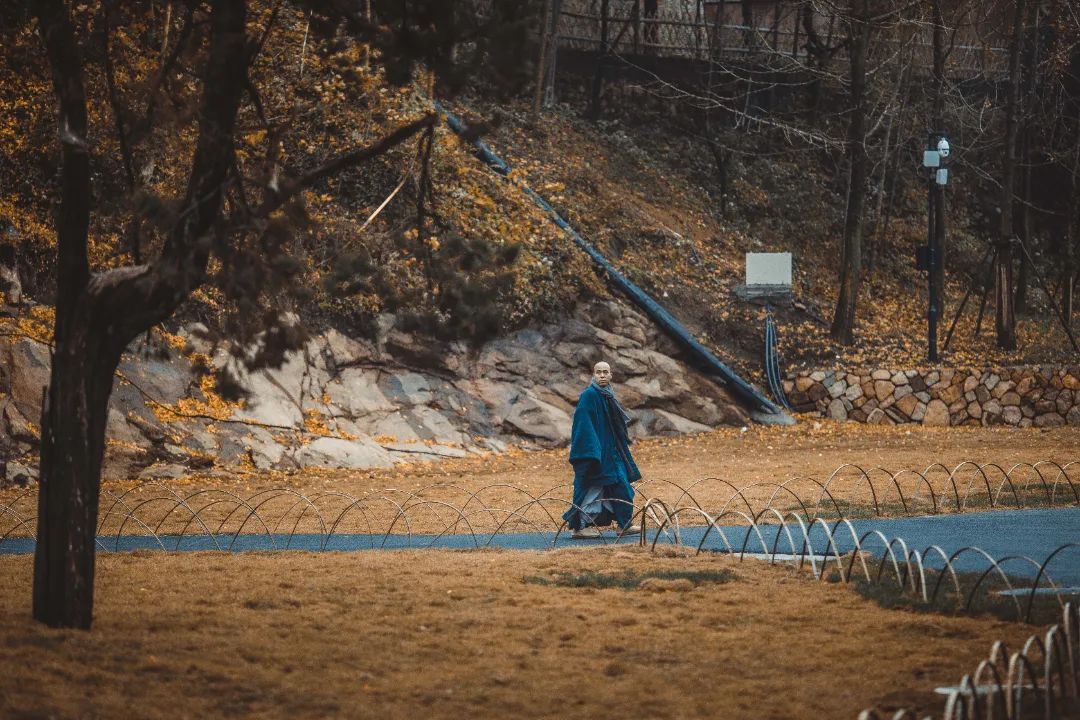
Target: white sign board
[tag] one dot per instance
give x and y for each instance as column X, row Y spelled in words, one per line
column 768, row 269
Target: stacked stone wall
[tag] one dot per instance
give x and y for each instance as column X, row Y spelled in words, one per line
column 1021, row 397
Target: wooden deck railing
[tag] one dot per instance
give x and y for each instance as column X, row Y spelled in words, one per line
column 704, row 29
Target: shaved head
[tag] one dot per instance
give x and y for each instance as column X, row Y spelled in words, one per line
column 602, row 373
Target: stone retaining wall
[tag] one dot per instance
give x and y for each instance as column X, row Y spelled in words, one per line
column 1023, row 397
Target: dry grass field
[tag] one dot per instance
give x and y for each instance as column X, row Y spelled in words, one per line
column 475, row 634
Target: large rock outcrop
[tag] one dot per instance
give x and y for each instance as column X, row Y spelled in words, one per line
column 344, row 402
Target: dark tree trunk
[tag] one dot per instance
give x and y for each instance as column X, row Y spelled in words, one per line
column 1072, row 232
column 1023, row 276
column 72, row 447
column 937, row 121
column 601, row 63
column 878, row 231
column 814, row 53
column 98, row 315
column 1030, row 61
column 1005, row 322
column 851, row 263
column 67, row 501
column 750, row 36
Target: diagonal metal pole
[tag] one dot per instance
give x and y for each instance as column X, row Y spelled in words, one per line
column 963, row 303
column 1050, row 297
column 986, row 293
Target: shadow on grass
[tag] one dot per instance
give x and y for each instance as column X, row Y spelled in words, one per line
column 629, row 579
column 988, row 598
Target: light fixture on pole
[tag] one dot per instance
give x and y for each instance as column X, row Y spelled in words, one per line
column 935, row 159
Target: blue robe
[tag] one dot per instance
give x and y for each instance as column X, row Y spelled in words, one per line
column 600, row 454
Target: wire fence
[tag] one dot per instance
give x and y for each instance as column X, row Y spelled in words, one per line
column 152, row 508
column 1041, row 679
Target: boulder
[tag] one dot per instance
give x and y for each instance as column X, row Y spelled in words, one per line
column 118, row 429
column 407, row 388
column 342, row 351
column 261, row 448
column 394, row 424
column 1064, row 401
column 836, row 410
column 667, row 423
column 1048, row 420
column 20, row 474
column 165, row 381
column 535, row 418
column 340, row 453
column 163, row 471
column 1011, row 414
column 1010, row 398
column 430, row 424
column 937, row 414
column 883, row 389
column 907, row 404
column 355, row 391
column 17, row 426
column 919, row 412
column 950, row 394
column 27, row 362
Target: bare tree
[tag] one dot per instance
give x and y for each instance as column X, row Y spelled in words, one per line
column 859, row 32
column 98, row 313
column 1005, row 322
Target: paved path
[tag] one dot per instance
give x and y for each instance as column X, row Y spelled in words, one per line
column 1031, row 533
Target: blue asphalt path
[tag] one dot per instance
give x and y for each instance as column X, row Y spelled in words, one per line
column 1032, row 533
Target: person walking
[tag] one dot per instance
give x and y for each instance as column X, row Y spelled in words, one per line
column 603, row 466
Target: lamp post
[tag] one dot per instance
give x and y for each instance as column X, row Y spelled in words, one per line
column 935, row 159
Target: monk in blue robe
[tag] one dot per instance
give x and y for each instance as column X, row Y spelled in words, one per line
column 603, row 466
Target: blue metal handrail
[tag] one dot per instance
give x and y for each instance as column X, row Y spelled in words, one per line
column 762, row 409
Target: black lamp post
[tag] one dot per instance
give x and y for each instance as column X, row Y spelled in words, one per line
column 935, row 161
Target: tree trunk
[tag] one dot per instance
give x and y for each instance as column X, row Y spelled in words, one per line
column 1005, row 322
column 601, row 63
column 98, row 315
column 67, row 501
column 1072, row 232
column 937, row 121
column 851, row 271
column 876, row 234
column 750, row 34
column 1030, row 61
column 72, row 448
